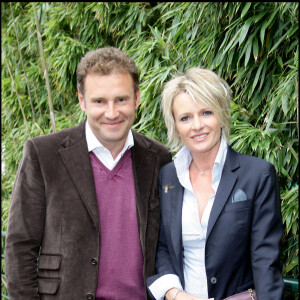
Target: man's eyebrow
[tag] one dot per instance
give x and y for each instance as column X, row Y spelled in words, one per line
column 104, row 98
column 123, row 96
column 97, row 98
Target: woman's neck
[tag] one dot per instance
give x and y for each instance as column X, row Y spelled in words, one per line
column 204, row 161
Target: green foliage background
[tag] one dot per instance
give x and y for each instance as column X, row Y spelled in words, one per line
column 253, row 45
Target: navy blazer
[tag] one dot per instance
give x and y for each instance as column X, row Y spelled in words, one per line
column 244, row 229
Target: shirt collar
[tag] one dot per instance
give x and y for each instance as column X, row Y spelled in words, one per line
column 93, row 142
column 184, row 157
column 219, row 161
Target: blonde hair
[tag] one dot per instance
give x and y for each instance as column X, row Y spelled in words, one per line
column 205, row 87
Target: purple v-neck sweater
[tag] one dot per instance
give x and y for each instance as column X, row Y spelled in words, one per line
column 121, row 260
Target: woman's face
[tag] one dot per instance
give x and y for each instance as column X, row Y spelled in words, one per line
column 196, row 124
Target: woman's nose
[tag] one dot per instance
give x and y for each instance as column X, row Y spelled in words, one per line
column 197, row 123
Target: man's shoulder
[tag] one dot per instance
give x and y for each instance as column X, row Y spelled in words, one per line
column 70, row 133
column 149, row 142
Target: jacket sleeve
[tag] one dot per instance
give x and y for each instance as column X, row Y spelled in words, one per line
column 25, row 227
column 166, row 277
column 266, row 238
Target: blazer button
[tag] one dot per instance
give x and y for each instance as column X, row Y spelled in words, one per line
column 94, row 261
column 213, row 280
column 89, row 296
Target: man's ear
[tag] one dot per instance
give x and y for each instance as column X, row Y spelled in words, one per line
column 137, row 99
column 81, row 101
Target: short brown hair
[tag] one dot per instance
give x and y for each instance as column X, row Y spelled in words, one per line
column 105, row 61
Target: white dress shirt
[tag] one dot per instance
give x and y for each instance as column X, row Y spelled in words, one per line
column 193, row 231
column 103, row 154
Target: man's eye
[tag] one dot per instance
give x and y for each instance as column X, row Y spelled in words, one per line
column 99, row 101
column 121, row 99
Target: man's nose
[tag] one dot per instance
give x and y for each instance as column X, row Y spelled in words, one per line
column 111, row 111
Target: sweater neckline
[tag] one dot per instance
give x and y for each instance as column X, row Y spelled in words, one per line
column 111, row 173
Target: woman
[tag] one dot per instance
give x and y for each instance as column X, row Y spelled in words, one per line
column 220, row 210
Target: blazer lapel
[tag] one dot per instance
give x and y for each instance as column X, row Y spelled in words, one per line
column 226, row 185
column 76, row 158
column 176, row 198
column 173, row 199
column 144, row 164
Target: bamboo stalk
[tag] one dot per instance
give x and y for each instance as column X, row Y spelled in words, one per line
column 297, row 93
column 45, row 68
column 19, row 100
column 22, row 62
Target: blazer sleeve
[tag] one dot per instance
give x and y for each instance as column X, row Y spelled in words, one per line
column 25, row 227
column 164, row 264
column 266, row 238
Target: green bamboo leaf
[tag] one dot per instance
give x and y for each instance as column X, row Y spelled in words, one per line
column 284, row 102
column 233, row 42
column 266, row 23
column 248, row 52
column 255, row 48
column 245, row 9
column 271, row 114
column 290, row 267
column 258, row 74
column 260, row 16
column 262, row 31
column 244, row 31
column 181, row 29
column 293, row 152
column 287, row 34
column 262, row 80
column 156, row 34
column 167, row 54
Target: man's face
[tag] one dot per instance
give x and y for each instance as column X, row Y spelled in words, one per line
column 110, row 103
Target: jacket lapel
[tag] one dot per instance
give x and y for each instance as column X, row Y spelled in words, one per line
column 172, row 194
column 226, row 185
column 144, row 164
column 76, row 158
column 176, row 196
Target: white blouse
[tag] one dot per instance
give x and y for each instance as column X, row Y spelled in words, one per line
column 193, row 231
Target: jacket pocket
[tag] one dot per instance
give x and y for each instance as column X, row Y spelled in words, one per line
column 49, row 261
column 48, row 273
column 48, row 285
column 238, row 206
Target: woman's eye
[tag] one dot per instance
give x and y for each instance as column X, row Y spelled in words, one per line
column 207, row 113
column 185, row 118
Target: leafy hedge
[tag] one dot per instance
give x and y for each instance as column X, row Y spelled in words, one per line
column 253, row 45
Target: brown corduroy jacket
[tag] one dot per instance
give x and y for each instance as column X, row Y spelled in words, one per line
column 52, row 244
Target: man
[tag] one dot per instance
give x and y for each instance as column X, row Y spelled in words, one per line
column 84, row 215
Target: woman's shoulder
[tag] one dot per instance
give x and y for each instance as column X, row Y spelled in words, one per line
column 252, row 161
column 169, row 167
column 168, row 174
